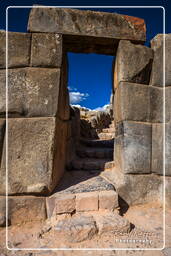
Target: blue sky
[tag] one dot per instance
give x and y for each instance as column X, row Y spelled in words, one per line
column 90, row 75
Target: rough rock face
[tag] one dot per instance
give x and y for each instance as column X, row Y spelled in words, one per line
column 90, row 23
column 31, row 91
column 133, row 147
column 157, row 70
column 132, row 102
column 133, row 63
column 113, row 223
column 18, row 49
column 31, row 154
column 77, row 229
column 136, row 189
column 46, row 50
column 157, row 149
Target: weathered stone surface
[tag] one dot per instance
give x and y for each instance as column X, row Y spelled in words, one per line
column 157, row 68
column 133, row 63
column 156, row 104
column 22, row 209
column 31, row 91
column 60, row 203
column 87, row 31
column 87, row 23
column 77, row 229
column 168, row 191
column 18, row 49
column 113, row 223
column 33, row 145
column 87, row 201
column 46, row 50
column 136, row 189
column 2, row 211
column 157, row 149
column 25, row 209
column 132, row 102
column 63, row 100
column 132, row 152
column 108, row 200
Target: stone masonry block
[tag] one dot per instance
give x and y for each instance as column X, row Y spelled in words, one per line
column 33, row 144
column 22, row 209
column 31, row 91
column 18, row 49
column 87, row 201
column 133, row 147
column 58, row 204
column 156, row 104
column 87, row 23
column 157, row 148
column 132, row 102
column 108, row 200
column 133, row 63
column 2, row 211
column 157, row 68
column 25, row 209
column 46, row 50
column 137, row 189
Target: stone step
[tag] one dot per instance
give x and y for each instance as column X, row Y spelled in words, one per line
column 83, row 227
column 98, row 143
column 90, row 164
column 105, row 136
column 95, row 152
column 109, row 130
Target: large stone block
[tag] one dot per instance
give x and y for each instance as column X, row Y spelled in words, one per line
column 168, row 191
column 36, row 155
column 22, row 209
column 136, row 189
column 2, row 211
column 132, row 152
column 157, row 149
column 60, row 203
column 132, row 102
column 46, row 50
column 157, row 75
column 18, row 49
column 87, row 23
column 157, row 104
column 133, row 63
column 108, row 200
column 87, row 201
column 31, row 91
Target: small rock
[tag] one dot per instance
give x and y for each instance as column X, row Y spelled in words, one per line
column 113, row 223
column 77, row 229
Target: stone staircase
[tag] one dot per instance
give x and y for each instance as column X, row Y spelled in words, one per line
column 85, row 195
column 96, row 154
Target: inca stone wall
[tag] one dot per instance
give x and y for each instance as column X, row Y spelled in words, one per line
column 139, row 118
column 38, row 109
column 43, row 129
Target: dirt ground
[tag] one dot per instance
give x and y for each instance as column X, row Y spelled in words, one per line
column 147, row 233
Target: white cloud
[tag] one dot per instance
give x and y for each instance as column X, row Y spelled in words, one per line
column 101, row 108
column 79, row 106
column 77, row 97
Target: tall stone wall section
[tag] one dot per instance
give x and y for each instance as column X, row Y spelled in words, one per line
column 139, row 118
column 42, row 129
column 38, row 110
